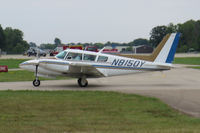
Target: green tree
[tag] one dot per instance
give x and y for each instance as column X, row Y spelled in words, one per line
column 139, row 41
column 184, row 48
column 99, row 45
column 108, row 43
column 129, row 48
column 18, row 48
column 47, row 46
column 57, row 41
column 14, row 41
column 32, row 44
column 157, row 34
column 171, row 28
column 2, row 39
column 190, row 37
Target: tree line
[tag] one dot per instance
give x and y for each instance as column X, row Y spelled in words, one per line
column 190, row 35
column 189, row 40
column 57, row 42
column 11, row 40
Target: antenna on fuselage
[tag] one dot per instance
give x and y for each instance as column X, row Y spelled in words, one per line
column 101, row 50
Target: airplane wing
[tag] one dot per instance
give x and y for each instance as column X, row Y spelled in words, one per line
column 78, row 69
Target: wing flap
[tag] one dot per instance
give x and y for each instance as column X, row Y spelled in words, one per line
column 79, row 69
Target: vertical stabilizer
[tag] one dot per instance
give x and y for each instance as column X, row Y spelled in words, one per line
column 168, row 50
column 164, row 52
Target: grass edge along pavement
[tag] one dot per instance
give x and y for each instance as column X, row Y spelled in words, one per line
column 187, row 60
column 194, row 67
column 89, row 111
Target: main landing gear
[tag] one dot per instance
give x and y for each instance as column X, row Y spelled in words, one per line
column 36, row 82
column 82, row 82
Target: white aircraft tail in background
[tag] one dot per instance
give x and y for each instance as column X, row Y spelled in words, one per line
column 86, row 64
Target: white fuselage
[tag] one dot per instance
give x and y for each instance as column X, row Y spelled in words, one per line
column 108, row 65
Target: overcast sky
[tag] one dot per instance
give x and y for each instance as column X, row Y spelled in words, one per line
column 93, row 20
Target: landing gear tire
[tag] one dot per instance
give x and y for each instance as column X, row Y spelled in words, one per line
column 82, row 82
column 36, row 83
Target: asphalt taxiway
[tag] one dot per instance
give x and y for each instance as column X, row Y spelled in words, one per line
column 179, row 87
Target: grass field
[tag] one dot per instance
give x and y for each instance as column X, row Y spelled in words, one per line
column 187, row 60
column 21, row 75
column 11, row 63
column 88, row 112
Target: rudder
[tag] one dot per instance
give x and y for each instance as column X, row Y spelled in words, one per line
column 166, row 54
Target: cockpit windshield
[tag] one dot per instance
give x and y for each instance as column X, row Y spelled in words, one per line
column 89, row 57
column 61, row 55
column 74, row 56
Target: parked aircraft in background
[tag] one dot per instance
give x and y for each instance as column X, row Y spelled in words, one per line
column 82, row 64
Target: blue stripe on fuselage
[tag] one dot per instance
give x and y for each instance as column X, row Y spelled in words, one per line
column 130, row 68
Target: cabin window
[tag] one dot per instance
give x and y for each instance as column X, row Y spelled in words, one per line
column 102, row 58
column 61, row 55
column 74, row 56
column 89, row 57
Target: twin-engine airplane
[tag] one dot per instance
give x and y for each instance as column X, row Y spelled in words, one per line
column 86, row 64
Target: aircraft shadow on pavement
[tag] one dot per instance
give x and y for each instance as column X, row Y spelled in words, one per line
column 109, row 86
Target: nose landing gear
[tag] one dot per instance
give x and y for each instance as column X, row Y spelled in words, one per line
column 36, row 82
